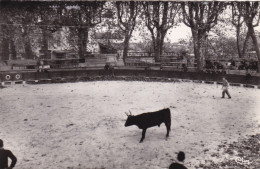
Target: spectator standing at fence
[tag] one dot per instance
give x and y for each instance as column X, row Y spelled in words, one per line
column 181, row 158
column 4, row 155
column 225, row 88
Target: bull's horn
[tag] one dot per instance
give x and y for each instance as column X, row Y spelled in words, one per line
column 130, row 112
column 126, row 114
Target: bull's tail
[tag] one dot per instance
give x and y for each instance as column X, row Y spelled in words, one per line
column 168, row 122
column 168, row 125
column 170, row 119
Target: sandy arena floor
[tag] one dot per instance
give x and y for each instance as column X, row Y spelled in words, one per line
column 81, row 125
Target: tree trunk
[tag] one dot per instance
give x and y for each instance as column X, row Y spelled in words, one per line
column 157, row 50
column 158, row 45
column 162, row 41
column 238, row 44
column 44, row 46
column 5, row 49
column 197, row 41
column 5, row 44
column 126, row 44
column 254, row 39
column 197, row 53
column 157, row 54
column 13, row 51
column 28, row 50
column 245, row 44
column 27, row 45
column 82, row 42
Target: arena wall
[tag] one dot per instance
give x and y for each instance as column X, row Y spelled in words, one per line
column 78, row 75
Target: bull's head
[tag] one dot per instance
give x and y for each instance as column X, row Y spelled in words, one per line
column 130, row 119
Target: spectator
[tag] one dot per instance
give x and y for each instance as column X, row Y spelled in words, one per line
column 184, row 67
column 4, row 154
column 233, row 63
column 248, row 77
column 107, row 66
column 181, row 158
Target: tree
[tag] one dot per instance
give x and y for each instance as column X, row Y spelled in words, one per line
column 127, row 13
column 251, row 11
column 27, row 16
column 222, row 46
column 21, row 21
column 8, row 50
column 49, row 21
column 238, row 22
column 159, row 18
column 80, row 17
column 200, row 17
column 108, row 32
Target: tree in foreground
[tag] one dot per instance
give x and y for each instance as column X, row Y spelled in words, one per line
column 238, row 22
column 201, row 17
column 251, row 11
column 80, row 17
column 126, row 14
column 159, row 18
column 7, row 35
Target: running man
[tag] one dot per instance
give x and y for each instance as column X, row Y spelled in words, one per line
column 225, row 88
column 4, row 154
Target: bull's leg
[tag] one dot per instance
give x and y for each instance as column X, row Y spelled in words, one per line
column 143, row 135
column 168, row 127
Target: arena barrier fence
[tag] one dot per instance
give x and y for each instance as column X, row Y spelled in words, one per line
column 54, row 76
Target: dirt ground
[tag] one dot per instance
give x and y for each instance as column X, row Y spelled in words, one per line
column 81, row 125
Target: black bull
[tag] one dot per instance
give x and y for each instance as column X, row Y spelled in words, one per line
column 147, row 120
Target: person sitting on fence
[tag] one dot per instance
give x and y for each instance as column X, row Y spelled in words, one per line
column 106, row 67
